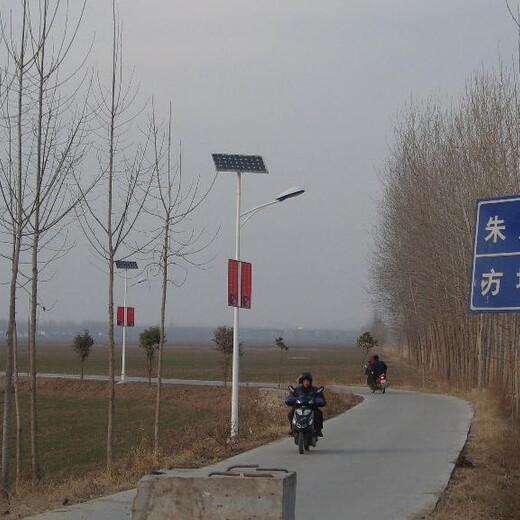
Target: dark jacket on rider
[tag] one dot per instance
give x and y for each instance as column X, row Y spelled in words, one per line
column 301, row 391
column 377, row 367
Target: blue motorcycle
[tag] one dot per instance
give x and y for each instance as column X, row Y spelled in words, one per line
column 303, row 428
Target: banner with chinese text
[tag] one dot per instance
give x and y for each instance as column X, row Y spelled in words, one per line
column 245, row 285
column 244, row 269
column 233, row 283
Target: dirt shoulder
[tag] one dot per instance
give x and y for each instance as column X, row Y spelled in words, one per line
column 486, row 482
column 194, row 434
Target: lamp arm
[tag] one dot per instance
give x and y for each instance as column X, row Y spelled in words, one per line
column 258, row 208
column 252, row 212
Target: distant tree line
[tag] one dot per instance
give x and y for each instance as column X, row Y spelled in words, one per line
column 442, row 160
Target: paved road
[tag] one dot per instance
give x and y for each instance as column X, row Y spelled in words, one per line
column 132, row 379
column 388, row 458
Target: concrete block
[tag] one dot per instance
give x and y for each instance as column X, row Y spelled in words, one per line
column 240, row 493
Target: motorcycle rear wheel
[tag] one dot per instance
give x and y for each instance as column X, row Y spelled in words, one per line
column 301, row 443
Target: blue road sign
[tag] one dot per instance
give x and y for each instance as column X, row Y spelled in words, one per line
column 495, row 278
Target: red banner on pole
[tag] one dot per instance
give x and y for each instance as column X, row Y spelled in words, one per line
column 245, row 285
column 130, row 316
column 233, row 283
column 120, row 316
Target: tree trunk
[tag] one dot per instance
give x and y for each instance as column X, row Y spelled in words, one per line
column 225, row 365
column 111, row 363
column 8, row 386
column 161, row 331
column 35, row 467
column 280, row 371
column 17, row 409
column 111, row 252
column 15, row 260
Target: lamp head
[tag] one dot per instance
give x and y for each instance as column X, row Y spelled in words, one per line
column 290, row 193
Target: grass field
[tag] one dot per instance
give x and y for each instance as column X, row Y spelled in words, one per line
column 328, row 364
column 73, row 421
column 195, row 420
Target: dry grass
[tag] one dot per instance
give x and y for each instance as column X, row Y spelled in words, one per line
column 486, row 482
column 191, row 442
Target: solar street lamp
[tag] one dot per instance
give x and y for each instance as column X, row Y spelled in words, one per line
column 240, row 164
column 125, row 264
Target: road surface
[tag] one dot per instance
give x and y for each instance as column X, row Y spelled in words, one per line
column 388, row 458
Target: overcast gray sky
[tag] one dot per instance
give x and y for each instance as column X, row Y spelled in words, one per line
column 315, row 88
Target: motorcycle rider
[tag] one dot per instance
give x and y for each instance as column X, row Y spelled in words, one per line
column 306, row 389
column 375, row 368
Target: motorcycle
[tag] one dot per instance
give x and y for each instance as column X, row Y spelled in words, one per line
column 303, row 430
column 379, row 384
column 376, row 383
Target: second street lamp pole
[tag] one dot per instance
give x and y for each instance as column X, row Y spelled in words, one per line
column 124, row 264
column 123, row 350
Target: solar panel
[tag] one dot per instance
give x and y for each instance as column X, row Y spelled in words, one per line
column 239, row 163
column 126, row 264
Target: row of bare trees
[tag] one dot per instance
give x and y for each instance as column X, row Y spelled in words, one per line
column 43, row 139
column 56, row 116
column 443, row 159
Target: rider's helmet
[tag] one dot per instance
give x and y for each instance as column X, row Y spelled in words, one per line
column 376, row 357
column 371, row 359
column 304, row 375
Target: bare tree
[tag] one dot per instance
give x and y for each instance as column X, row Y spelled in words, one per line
column 111, row 216
column 42, row 134
column 60, row 132
column 178, row 245
column 443, row 160
column 13, row 176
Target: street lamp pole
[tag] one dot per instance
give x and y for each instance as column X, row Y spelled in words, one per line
column 240, row 164
column 123, row 350
column 235, row 378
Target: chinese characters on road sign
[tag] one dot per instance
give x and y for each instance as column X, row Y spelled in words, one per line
column 495, row 280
